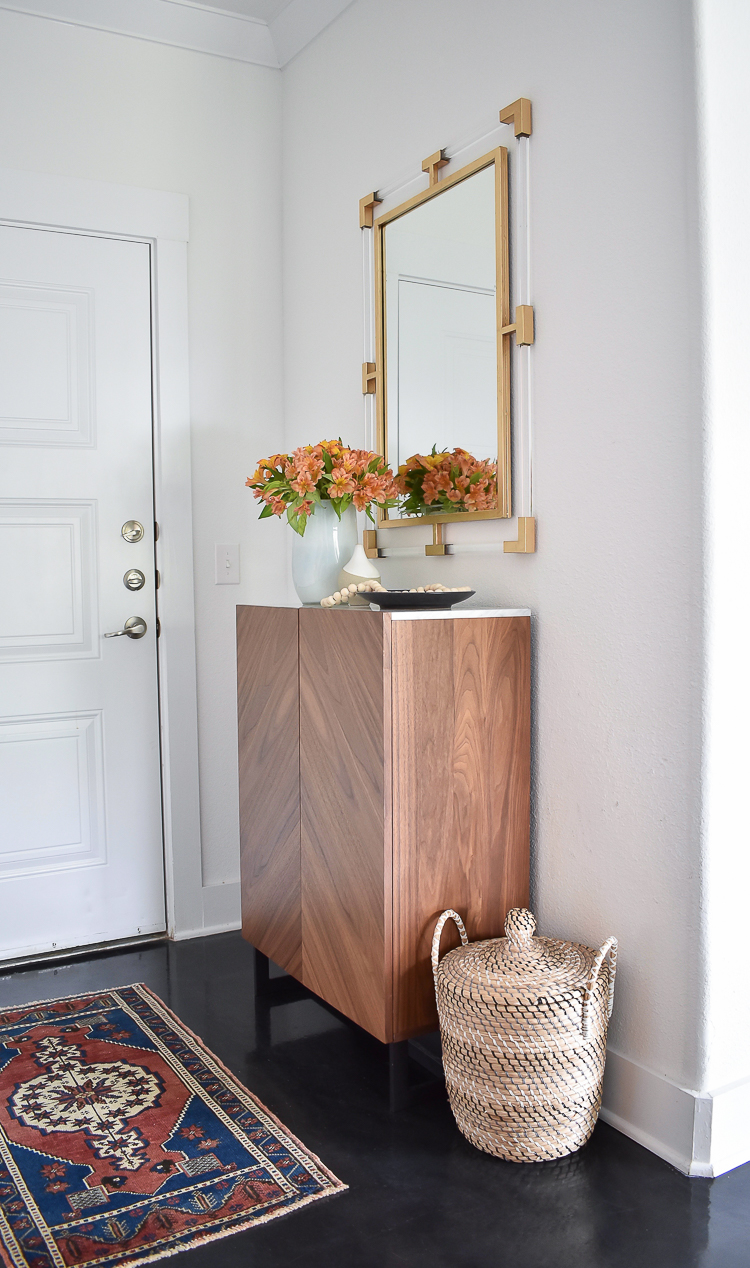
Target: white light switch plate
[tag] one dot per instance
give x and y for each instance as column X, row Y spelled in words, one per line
column 227, row 565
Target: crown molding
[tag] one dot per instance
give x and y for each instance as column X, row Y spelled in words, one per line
column 186, row 24
column 298, row 24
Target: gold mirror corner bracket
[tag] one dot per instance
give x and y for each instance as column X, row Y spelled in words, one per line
column 370, row 542
column 369, row 376
column 366, row 207
column 523, row 326
column 519, row 114
column 526, row 543
column 433, row 164
column 438, row 546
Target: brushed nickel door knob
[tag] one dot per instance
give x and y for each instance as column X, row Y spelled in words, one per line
column 132, row 531
column 134, row 627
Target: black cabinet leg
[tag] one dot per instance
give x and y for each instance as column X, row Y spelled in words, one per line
column 398, row 1075
column 262, row 976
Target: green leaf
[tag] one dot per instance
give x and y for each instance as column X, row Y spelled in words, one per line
column 265, row 513
column 327, row 462
column 294, row 521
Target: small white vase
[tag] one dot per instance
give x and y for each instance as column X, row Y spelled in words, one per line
column 317, row 558
column 358, row 568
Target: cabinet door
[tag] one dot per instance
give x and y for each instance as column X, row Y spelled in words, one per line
column 461, row 758
column 268, row 729
column 345, row 813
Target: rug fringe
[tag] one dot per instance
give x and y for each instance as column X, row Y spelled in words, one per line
column 238, row 1228
column 57, row 999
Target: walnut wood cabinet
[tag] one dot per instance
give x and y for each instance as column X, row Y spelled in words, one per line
column 384, row 775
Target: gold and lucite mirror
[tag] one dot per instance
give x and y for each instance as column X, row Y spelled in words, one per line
column 442, row 359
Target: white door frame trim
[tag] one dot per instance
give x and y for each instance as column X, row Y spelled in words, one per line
column 35, row 200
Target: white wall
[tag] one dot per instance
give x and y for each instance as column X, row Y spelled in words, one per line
column 616, row 585
column 90, row 104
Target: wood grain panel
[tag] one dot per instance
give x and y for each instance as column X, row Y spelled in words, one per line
column 345, row 813
column 268, row 733
column 461, row 776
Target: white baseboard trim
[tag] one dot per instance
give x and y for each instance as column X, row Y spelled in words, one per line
column 654, row 1146
column 730, row 1128
column 221, row 907
column 648, row 1108
column 221, row 911
column 699, row 1133
column 223, row 928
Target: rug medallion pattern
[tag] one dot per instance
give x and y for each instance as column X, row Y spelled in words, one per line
column 123, row 1139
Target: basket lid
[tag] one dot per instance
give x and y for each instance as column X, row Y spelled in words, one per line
column 519, row 966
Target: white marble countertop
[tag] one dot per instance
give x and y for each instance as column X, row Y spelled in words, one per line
column 409, row 614
column 448, row 614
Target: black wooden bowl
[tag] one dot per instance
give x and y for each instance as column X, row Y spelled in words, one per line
column 399, row 600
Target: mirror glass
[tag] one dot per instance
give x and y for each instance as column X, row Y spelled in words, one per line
column 440, row 323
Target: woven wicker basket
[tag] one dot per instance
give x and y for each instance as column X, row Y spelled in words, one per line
column 523, row 1022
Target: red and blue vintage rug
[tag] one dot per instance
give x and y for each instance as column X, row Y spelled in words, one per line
column 123, row 1139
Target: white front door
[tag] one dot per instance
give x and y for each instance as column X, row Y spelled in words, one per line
column 81, row 857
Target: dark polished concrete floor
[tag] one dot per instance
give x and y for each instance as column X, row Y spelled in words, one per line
column 419, row 1194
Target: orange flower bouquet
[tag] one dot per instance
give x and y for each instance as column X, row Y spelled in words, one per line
column 296, row 483
column 447, row 482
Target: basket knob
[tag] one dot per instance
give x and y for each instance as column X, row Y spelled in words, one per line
column 519, row 928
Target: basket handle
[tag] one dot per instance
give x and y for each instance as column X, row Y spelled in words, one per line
column 450, row 914
column 609, row 946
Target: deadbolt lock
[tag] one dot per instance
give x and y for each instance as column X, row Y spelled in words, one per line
column 132, row 531
column 134, row 579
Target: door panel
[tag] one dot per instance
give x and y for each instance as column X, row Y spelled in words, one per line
column 53, row 329
column 344, row 694
column 80, row 840
column 268, row 730
column 461, row 788
column 52, row 793
column 49, row 608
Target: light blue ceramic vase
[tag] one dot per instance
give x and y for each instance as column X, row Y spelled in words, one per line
column 319, row 556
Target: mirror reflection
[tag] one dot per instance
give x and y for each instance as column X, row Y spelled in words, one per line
column 440, row 324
